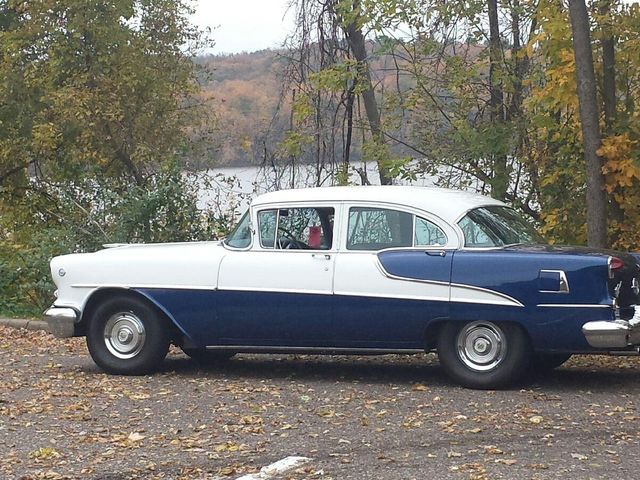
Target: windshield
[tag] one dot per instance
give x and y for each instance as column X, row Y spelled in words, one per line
column 496, row 227
column 240, row 236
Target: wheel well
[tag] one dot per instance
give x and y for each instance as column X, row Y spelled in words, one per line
column 103, row 294
column 433, row 330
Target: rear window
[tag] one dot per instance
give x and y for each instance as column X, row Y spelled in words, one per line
column 379, row 228
column 496, row 226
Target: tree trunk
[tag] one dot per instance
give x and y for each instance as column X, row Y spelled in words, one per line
column 608, row 67
column 357, row 45
column 586, row 87
column 518, row 63
column 607, row 43
column 500, row 179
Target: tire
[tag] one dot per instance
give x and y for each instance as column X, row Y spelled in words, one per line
column 126, row 336
column 208, row 357
column 482, row 354
column 545, row 362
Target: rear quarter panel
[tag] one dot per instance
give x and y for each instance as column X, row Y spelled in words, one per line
column 552, row 320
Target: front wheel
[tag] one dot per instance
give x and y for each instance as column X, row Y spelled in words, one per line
column 483, row 354
column 126, row 336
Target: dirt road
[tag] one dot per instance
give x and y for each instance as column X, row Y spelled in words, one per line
column 354, row 417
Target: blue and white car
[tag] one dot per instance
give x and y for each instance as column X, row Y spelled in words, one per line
column 356, row 270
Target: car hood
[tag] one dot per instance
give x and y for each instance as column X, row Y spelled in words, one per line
column 166, row 264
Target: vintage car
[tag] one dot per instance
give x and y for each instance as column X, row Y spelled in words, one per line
column 356, row 270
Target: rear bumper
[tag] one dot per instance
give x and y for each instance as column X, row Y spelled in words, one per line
column 613, row 334
column 61, row 321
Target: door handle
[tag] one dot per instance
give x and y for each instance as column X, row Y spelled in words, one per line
column 436, row 253
column 321, row 256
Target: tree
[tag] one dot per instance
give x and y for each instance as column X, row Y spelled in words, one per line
column 500, row 179
column 352, row 22
column 94, row 88
column 98, row 115
column 337, row 105
column 589, row 118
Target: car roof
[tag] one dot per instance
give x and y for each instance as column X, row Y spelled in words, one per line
column 445, row 203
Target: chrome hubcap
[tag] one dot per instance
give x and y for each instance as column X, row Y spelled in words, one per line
column 481, row 346
column 124, row 335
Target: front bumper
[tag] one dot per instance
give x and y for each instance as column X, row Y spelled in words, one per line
column 61, row 321
column 613, row 334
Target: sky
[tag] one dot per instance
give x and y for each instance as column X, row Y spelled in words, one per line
column 244, row 25
column 248, row 25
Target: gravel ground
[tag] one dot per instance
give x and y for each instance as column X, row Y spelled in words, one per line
column 359, row 418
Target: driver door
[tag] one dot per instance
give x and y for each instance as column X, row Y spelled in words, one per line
column 279, row 292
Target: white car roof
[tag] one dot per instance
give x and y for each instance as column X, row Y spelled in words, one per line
column 445, row 203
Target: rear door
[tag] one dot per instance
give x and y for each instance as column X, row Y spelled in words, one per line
column 392, row 277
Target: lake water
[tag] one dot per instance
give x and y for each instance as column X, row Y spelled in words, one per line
column 236, row 185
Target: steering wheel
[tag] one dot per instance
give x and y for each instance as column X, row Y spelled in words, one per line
column 290, row 241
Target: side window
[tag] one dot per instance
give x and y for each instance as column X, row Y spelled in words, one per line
column 378, row 228
column 267, row 227
column 428, row 234
column 297, row 228
column 477, row 234
column 240, row 237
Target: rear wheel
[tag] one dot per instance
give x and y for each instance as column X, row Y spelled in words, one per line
column 483, row 354
column 126, row 336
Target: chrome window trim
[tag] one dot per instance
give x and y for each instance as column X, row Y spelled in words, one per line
column 461, row 233
column 237, row 249
column 415, row 221
column 454, row 239
column 278, row 206
column 243, row 249
column 415, row 213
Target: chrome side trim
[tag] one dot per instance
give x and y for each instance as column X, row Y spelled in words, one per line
column 514, row 302
column 336, row 350
column 273, row 290
column 142, row 285
column 398, row 296
column 406, row 279
column 572, row 305
column 510, row 301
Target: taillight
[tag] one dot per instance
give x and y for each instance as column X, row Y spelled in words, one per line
column 615, row 264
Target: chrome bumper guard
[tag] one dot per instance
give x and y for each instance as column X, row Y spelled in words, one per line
column 614, row 334
column 61, row 321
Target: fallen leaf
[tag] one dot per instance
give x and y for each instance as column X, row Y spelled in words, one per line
column 536, row 419
column 135, row 437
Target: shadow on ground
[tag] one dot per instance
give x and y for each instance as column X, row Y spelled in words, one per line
column 585, row 374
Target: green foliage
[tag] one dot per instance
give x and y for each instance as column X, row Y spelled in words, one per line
column 94, row 88
column 83, row 215
column 338, row 77
column 98, row 106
